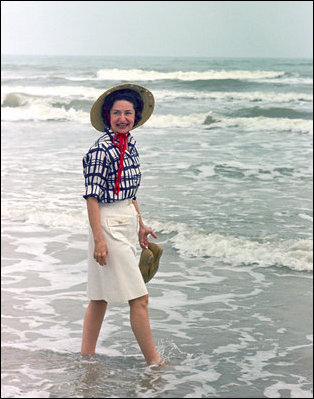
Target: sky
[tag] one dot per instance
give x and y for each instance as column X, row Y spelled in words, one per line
column 158, row 28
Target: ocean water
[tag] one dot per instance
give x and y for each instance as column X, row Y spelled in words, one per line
column 227, row 186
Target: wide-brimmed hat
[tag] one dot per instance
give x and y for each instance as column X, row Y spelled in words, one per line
column 147, row 98
column 149, row 260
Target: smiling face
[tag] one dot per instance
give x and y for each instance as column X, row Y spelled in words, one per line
column 122, row 116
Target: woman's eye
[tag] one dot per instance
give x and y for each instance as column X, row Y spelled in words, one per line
column 125, row 113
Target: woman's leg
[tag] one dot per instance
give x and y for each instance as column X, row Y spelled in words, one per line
column 93, row 319
column 141, row 328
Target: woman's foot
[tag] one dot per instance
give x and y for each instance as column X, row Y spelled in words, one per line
column 159, row 363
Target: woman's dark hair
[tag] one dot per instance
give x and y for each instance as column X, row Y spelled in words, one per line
column 124, row 94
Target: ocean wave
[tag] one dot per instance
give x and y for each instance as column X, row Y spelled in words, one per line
column 250, row 96
column 83, row 92
column 18, row 107
column 54, row 218
column 144, row 75
column 72, row 103
column 275, row 112
column 140, row 75
column 38, row 111
column 241, row 170
column 296, row 254
column 213, row 120
column 91, row 93
column 22, row 107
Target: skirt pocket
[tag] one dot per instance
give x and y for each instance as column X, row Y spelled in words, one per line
column 122, row 228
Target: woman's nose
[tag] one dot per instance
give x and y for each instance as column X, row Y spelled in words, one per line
column 122, row 117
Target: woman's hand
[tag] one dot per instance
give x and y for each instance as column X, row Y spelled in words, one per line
column 143, row 234
column 101, row 252
column 144, row 231
column 100, row 247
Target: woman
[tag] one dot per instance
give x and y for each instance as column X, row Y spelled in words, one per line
column 112, row 177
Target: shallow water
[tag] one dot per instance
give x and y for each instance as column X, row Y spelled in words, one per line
column 240, row 332
column 227, row 186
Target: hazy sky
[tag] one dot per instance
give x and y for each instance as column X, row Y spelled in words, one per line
column 156, row 28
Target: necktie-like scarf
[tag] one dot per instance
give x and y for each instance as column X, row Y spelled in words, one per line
column 123, row 142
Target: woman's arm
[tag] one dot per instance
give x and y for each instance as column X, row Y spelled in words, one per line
column 100, row 249
column 144, row 231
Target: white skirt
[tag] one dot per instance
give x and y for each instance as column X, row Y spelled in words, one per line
column 120, row 280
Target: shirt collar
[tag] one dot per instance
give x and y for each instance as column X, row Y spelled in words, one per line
column 131, row 140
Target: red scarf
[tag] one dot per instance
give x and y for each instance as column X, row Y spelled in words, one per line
column 123, row 142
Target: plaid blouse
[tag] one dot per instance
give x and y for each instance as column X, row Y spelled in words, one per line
column 100, row 169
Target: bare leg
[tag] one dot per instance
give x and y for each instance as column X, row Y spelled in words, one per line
column 93, row 319
column 141, row 328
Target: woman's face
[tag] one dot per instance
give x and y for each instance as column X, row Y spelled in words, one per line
column 122, row 116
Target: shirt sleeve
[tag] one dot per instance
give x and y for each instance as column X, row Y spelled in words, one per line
column 95, row 169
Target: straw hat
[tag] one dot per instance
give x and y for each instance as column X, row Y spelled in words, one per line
column 149, row 260
column 147, row 98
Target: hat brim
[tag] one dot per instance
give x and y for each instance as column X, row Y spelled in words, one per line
column 148, row 105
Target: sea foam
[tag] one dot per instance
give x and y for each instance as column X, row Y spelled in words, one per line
column 296, row 254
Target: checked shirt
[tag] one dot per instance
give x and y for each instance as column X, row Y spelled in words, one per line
column 100, row 169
